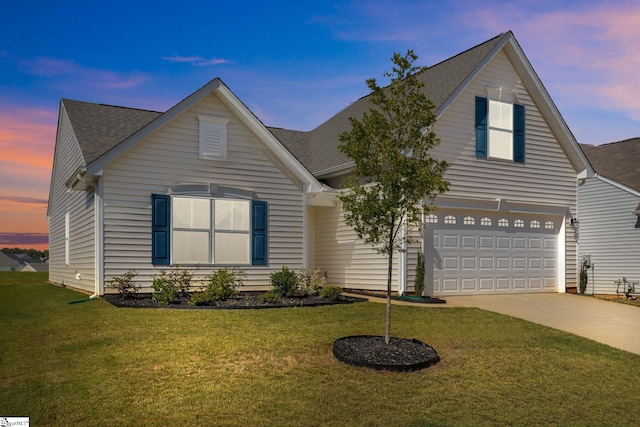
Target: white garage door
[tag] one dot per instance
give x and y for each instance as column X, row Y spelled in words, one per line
column 490, row 252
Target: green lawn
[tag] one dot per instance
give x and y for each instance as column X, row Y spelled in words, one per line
column 93, row 364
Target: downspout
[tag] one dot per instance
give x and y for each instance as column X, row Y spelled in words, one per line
column 402, row 260
column 99, row 238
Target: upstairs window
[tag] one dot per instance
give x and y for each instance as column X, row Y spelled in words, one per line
column 213, row 137
column 499, row 129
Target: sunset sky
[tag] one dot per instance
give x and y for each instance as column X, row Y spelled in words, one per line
column 294, row 64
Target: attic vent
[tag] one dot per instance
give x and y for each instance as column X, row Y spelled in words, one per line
column 213, row 137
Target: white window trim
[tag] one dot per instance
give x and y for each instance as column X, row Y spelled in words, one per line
column 212, row 230
column 215, row 124
column 506, row 97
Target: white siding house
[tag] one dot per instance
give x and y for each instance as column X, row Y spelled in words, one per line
column 609, row 215
column 505, row 223
column 146, row 190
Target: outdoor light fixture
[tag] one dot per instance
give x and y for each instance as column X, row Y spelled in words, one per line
column 575, row 223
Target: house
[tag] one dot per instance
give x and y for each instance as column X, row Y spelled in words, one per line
column 21, row 262
column 206, row 184
column 7, row 263
column 609, row 214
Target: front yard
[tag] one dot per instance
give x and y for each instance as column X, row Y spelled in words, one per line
column 94, row 364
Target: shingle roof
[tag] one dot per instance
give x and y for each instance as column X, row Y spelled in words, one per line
column 6, row 260
column 101, row 127
column 619, row 161
column 318, row 149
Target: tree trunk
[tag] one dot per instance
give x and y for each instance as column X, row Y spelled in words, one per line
column 387, row 329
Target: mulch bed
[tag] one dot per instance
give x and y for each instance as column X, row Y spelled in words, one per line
column 408, row 298
column 244, row 300
column 370, row 351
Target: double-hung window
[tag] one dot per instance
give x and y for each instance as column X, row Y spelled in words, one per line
column 499, row 129
column 203, row 230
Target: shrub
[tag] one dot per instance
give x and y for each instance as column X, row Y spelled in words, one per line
column 331, row 292
column 584, row 278
column 182, row 279
column 270, row 297
column 284, row 282
column 124, row 284
column 310, row 282
column 165, row 288
column 418, row 283
column 221, row 285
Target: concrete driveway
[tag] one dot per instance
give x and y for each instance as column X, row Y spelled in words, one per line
column 611, row 323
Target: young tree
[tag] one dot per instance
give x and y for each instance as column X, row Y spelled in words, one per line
column 395, row 179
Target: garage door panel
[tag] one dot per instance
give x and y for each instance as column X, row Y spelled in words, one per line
column 492, row 252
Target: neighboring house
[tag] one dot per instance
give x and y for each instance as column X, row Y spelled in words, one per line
column 609, row 215
column 7, row 263
column 207, row 184
column 21, row 262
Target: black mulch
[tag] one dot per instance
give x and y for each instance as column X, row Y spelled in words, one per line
column 244, row 300
column 370, row 351
column 408, row 298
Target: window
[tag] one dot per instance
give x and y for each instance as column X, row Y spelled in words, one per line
column 449, row 219
column 518, row 223
column 431, row 219
column 486, row 222
column 548, row 225
column 468, row 220
column 201, row 230
column 213, row 137
column 534, row 224
column 503, row 222
column 499, row 129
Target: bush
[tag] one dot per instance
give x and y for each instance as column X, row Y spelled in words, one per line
column 418, row 284
column 165, row 288
column 284, row 282
column 584, row 278
column 331, row 292
column 182, row 279
column 124, row 284
column 310, row 282
column 221, row 286
column 270, row 297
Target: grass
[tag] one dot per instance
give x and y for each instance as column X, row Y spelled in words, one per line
column 94, row 364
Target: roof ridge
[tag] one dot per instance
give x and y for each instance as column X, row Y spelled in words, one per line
column 100, row 104
column 637, row 138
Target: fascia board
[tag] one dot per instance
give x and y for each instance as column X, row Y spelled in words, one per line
column 456, row 93
column 618, row 185
column 311, row 184
column 98, row 165
column 542, row 92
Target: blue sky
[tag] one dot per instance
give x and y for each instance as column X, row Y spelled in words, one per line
column 294, row 64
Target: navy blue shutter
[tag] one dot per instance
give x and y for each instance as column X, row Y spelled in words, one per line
column 481, row 127
column 259, row 225
column 160, row 229
column 518, row 133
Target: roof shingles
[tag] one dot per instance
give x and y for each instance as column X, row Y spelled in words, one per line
column 619, row 161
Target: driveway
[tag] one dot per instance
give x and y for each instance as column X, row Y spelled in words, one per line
column 611, row 323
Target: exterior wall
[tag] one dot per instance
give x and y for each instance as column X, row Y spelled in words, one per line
column 547, row 177
column 344, row 258
column 80, row 273
column 610, row 233
column 171, row 156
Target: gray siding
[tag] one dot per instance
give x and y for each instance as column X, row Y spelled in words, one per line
column 609, row 232
column 344, row 258
column 81, row 212
column 169, row 157
column 547, row 177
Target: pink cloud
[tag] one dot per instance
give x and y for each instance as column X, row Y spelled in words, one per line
column 82, row 76
column 588, row 53
column 196, row 60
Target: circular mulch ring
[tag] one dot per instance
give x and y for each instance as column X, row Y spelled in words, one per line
column 370, row 351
